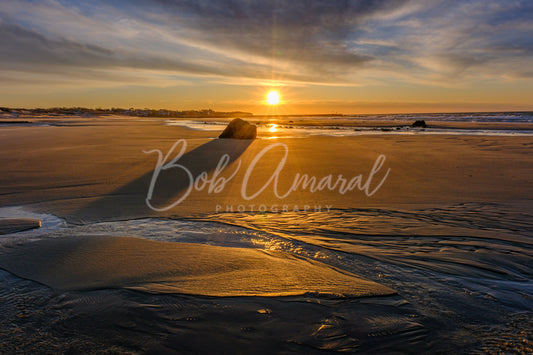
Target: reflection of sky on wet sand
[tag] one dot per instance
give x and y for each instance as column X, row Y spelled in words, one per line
column 270, row 130
column 443, row 266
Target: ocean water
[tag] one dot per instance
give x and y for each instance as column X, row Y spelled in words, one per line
column 463, row 275
column 510, row 117
column 300, row 126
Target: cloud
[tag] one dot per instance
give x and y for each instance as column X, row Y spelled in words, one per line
column 299, row 31
column 466, row 39
column 260, row 40
column 326, row 42
column 28, row 51
column 22, row 46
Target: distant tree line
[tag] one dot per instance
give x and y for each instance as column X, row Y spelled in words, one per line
column 76, row 111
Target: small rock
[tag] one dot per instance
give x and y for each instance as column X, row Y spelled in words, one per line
column 239, row 129
column 420, row 123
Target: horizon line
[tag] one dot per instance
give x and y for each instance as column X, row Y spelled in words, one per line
column 4, row 108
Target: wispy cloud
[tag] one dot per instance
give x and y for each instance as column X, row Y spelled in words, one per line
column 321, row 42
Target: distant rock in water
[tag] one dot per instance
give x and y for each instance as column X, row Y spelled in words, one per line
column 420, row 123
column 239, row 129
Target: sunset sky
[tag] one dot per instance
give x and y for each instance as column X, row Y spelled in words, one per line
column 321, row 56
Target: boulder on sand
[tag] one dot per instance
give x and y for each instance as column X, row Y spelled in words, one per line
column 420, row 123
column 239, row 129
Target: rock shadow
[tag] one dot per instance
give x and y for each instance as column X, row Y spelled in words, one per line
column 129, row 201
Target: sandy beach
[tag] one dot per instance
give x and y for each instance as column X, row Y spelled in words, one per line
column 95, row 170
column 404, row 242
column 266, row 177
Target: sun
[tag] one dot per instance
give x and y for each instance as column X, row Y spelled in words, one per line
column 273, row 97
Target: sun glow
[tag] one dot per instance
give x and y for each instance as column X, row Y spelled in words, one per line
column 273, row 128
column 273, row 97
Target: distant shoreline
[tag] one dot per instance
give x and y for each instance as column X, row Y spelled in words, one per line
column 208, row 113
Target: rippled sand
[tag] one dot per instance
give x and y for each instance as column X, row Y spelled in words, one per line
column 449, row 231
column 461, row 290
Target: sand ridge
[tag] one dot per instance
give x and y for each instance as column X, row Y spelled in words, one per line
column 99, row 262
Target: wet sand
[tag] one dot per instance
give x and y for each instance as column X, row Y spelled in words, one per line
column 100, row 262
column 98, row 171
column 448, row 230
column 13, row 225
